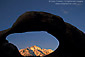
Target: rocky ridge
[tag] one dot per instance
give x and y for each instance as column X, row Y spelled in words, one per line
column 35, row 51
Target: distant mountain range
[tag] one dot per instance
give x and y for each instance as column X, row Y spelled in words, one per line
column 35, row 51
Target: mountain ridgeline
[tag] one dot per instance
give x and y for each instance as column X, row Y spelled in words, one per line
column 35, row 51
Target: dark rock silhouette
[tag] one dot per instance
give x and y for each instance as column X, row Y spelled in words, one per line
column 71, row 39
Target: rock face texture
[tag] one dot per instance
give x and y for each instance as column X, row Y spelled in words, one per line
column 35, row 51
column 71, row 39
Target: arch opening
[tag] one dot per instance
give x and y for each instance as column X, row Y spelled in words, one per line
column 40, row 39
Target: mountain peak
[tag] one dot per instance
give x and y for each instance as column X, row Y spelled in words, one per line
column 35, row 51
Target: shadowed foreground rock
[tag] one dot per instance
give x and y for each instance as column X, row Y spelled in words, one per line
column 71, row 39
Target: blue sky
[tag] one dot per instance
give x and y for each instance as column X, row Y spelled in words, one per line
column 10, row 10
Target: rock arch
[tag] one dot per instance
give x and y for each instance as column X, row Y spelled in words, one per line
column 71, row 39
